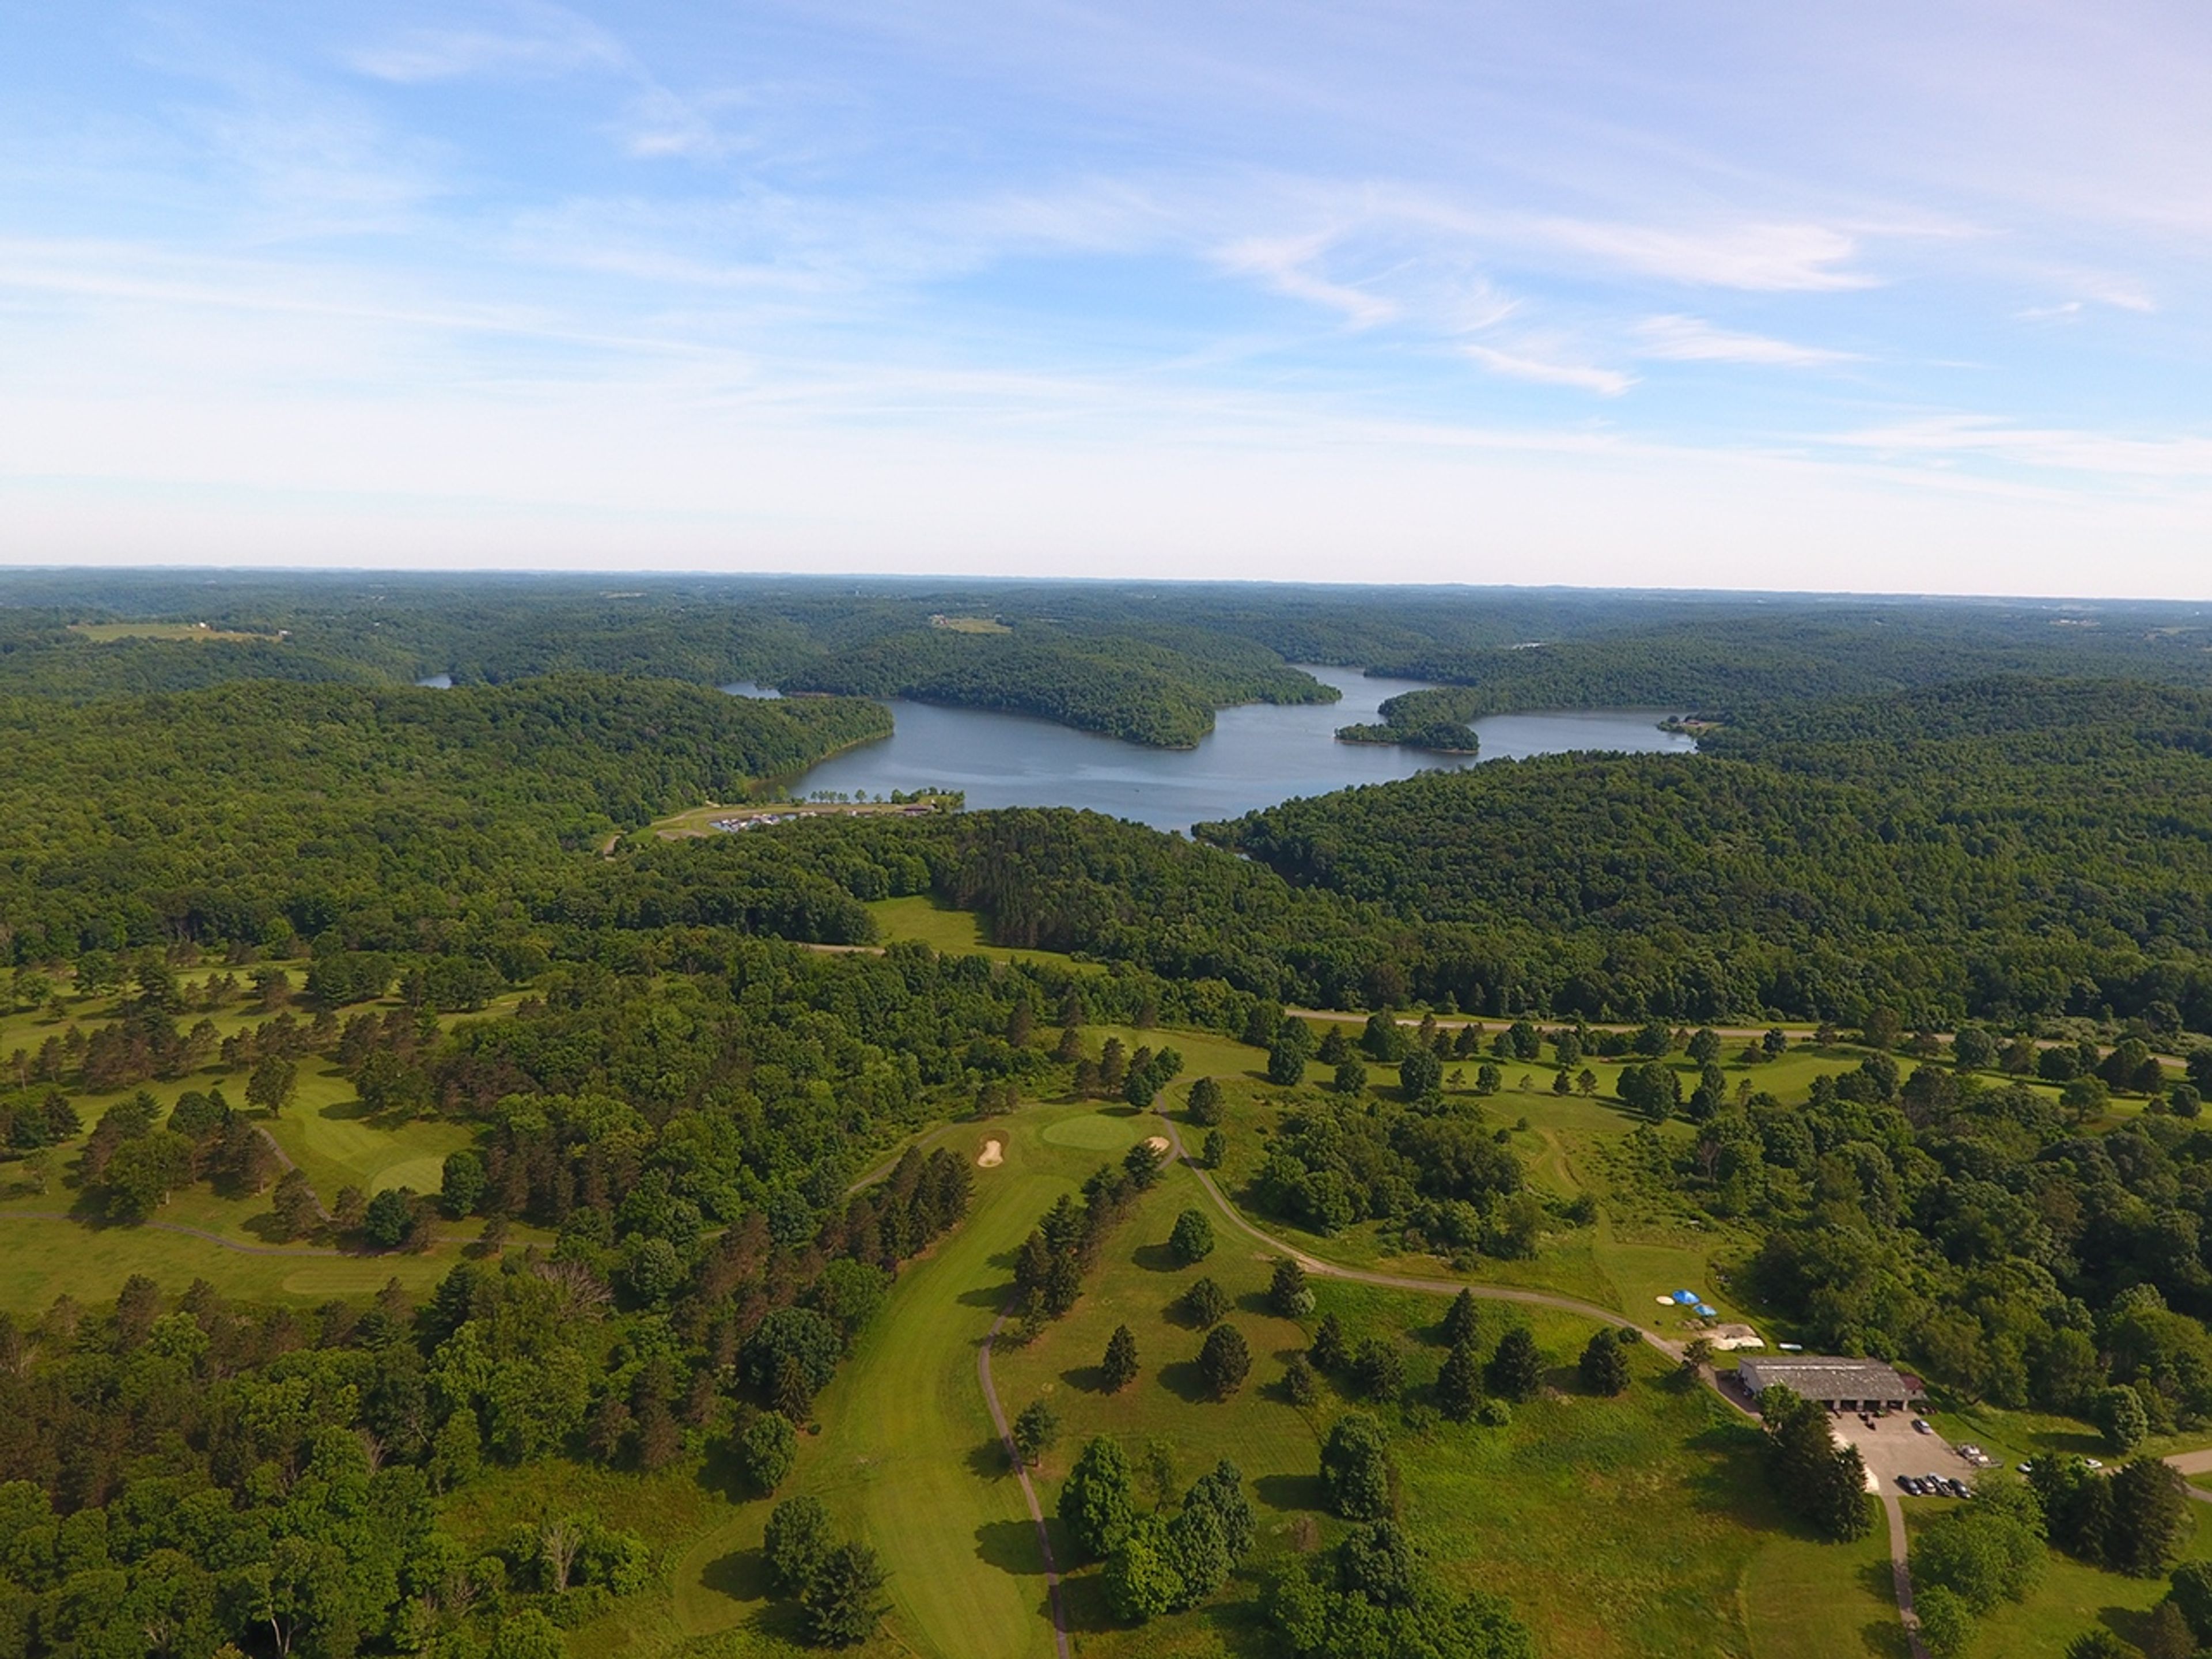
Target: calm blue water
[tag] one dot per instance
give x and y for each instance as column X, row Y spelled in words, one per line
column 1255, row 756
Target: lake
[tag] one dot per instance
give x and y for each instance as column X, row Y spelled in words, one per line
column 1257, row 755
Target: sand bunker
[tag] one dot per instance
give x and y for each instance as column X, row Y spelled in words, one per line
column 991, row 1157
column 1158, row 1144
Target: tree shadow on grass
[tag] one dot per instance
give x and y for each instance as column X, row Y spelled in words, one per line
column 988, row 1460
column 1885, row 1638
column 1286, row 1493
column 1185, row 1383
column 1011, row 1547
column 1091, row 1379
column 1729, row 1478
column 742, row 1575
column 2130, row 1625
column 1157, row 1259
column 718, row 1469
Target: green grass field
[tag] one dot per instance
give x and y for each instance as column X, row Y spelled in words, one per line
column 954, row 932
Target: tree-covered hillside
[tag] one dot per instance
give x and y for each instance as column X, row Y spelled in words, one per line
column 221, row 812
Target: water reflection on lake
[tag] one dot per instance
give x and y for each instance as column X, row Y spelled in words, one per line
column 1256, row 755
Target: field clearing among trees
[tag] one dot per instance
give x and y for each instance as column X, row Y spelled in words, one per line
column 954, row 932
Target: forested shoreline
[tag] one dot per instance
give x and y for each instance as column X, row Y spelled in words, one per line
column 670, row 1162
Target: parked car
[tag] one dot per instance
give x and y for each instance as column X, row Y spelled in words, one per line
column 1922, row 1426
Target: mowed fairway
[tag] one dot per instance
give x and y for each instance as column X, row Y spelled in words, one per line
column 908, row 1457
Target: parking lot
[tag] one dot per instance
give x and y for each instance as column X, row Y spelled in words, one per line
column 1892, row 1447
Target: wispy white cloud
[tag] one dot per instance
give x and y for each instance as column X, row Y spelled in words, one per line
column 1756, row 258
column 1691, row 340
column 1951, row 438
column 1545, row 371
column 530, row 39
column 1286, row 264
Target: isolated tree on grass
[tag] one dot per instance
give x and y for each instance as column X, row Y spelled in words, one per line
column 1204, row 1103
column 2192, row 1594
column 390, row 1219
column 1462, row 1320
column 2168, row 1636
column 271, row 1085
column 1517, row 1370
column 1214, row 1149
column 1191, row 1241
column 1225, row 1361
column 1328, row 1352
column 796, row 1543
column 767, row 1449
column 297, row 1212
column 1604, row 1363
column 1037, row 1432
column 1203, row 1304
column 1299, row 1385
column 1420, row 1074
column 1946, row 1623
column 2150, row 1517
column 1459, row 1383
column 1288, row 1295
column 1120, row 1365
column 1143, row 1166
column 1097, row 1504
column 1379, row 1369
column 1355, row 1468
column 844, row 1597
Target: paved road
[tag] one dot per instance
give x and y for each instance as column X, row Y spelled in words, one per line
column 1022, row 1473
column 1900, row 1572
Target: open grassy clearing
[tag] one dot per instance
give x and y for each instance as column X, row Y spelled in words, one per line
column 1806, row 1600
column 954, row 932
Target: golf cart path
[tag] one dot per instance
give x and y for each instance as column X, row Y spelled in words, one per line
column 1900, row 1570
column 1022, row 1474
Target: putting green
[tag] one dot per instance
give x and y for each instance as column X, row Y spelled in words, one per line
column 426, row 1174
column 1095, row 1131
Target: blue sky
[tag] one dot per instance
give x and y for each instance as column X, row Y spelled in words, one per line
column 1884, row 297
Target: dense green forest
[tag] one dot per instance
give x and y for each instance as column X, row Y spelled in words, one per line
column 692, row 1157
column 1729, row 664
column 232, row 812
column 1145, row 662
column 1154, row 691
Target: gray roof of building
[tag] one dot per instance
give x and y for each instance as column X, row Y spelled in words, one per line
column 1822, row 1378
